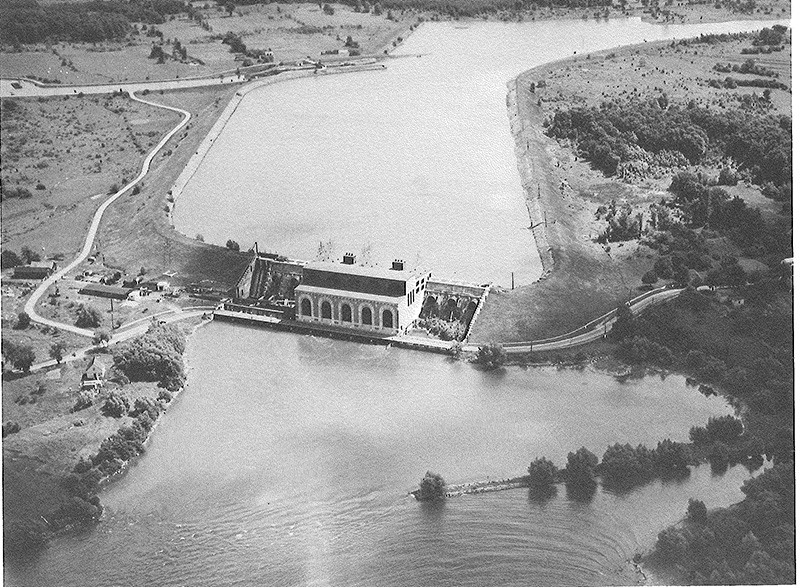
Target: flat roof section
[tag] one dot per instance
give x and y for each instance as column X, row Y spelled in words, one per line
column 341, row 293
column 364, row 271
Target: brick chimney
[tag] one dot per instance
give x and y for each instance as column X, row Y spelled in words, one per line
column 349, row 259
column 397, row 265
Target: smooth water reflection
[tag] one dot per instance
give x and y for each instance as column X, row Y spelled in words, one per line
column 288, row 460
column 415, row 162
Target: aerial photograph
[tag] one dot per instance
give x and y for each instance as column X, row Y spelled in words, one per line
column 397, row 293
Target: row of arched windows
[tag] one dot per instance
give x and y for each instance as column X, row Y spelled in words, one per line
column 346, row 313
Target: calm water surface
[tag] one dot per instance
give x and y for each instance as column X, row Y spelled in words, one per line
column 288, row 460
column 415, row 161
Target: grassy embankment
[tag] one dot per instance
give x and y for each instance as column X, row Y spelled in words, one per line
column 589, row 278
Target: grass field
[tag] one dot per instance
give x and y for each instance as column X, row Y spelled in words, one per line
column 292, row 31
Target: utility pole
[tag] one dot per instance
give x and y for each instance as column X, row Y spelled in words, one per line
column 112, row 313
column 512, row 280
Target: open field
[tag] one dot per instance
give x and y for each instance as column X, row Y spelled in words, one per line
column 68, row 153
column 590, row 279
column 291, row 31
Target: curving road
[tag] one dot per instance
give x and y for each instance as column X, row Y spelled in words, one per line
column 30, row 305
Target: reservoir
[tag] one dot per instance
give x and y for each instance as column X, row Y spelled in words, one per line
column 288, row 459
column 415, row 162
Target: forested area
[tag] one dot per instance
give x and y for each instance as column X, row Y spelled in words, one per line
column 617, row 133
column 748, row 353
column 26, row 21
column 620, row 137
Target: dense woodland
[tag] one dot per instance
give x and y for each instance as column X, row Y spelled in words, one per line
column 26, row 21
column 618, row 136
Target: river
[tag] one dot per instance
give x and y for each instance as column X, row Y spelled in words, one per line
column 415, row 162
column 288, row 459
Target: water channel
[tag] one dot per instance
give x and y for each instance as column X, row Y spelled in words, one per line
column 288, row 459
column 415, row 162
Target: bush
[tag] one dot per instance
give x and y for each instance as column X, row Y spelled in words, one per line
column 116, row 405
column 542, row 472
column 432, row 487
column 491, row 356
column 84, row 400
column 232, row 245
column 164, row 396
column 57, row 350
column 10, row 428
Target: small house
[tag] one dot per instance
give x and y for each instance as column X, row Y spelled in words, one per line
column 94, row 376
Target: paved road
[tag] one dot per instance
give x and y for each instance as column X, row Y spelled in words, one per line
column 598, row 330
column 30, row 305
column 30, row 88
column 127, row 333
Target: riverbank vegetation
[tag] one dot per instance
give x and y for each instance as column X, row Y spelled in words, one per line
column 65, row 440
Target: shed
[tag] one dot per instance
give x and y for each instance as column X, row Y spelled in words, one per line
column 106, row 291
column 36, row 270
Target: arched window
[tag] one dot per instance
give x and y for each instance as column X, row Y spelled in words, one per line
column 366, row 316
column 388, row 319
column 305, row 307
column 325, row 310
column 347, row 313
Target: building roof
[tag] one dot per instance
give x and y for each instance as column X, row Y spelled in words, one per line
column 364, row 271
column 106, row 291
column 95, row 370
column 341, row 293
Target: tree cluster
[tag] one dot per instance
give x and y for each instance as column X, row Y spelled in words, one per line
column 157, row 355
column 491, row 356
column 21, row 356
column 749, row 543
column 431, row 488
column 618, row 132
column 26, row 21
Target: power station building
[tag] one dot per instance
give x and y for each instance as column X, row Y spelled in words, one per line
column 363, row 298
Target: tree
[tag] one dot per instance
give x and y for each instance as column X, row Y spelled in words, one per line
column 29, row 256
column 697, row 511
column 57, row 350
column 9, row 259
column 232, row 245
column 491, row 356
column 229, row 8
column 649, row 277
column 542, row 472
column 580, row 468
column 23, row 357
column 101, row 336
column 432, row 487
column 624, row 323
column 88, row 317
column 23, row 320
